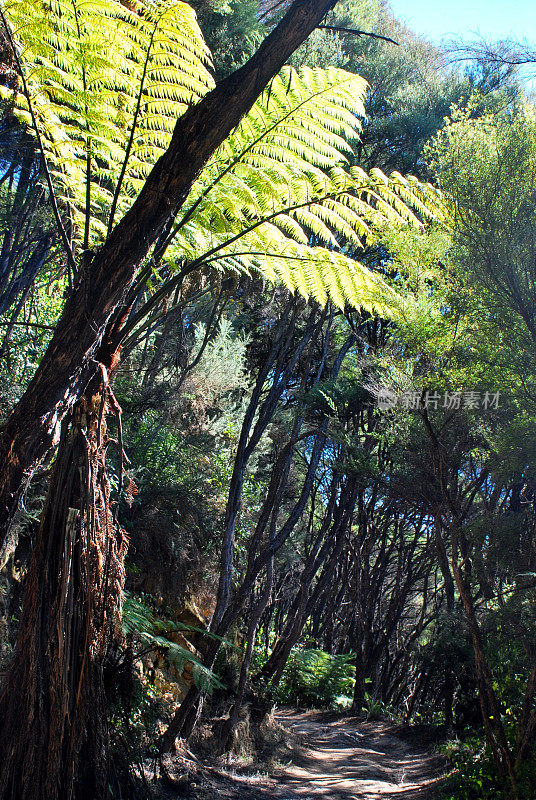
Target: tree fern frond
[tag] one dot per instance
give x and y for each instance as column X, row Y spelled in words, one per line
column 93, row 68
column 106, row 83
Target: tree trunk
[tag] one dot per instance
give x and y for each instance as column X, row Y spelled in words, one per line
column 360, row 687
column 448, row 697
column 52, row 708
column 255, row 617
column 448, row 680
column 491, row 712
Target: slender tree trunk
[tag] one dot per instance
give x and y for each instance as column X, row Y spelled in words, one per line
column 359, row 698
column 295, row 620
column 274, row 667
column 419, row 689
column 448, row 697
column 53, row 735
column 491, row 713
column 255, row 617
column 442, row 557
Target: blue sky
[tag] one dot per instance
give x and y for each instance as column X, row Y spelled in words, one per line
column 495, row 19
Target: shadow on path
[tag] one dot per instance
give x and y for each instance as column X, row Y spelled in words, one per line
column 344, row 758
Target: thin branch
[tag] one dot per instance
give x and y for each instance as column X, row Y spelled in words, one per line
column 212, row 324
column 506, row 52
column 357, row 32
column 272, row 9
column 30, row 325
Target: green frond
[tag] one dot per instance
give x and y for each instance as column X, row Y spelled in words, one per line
column 93, row 70
column 154, row 633
column 278, row 197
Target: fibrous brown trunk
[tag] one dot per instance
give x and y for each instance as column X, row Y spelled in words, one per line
column 52, row 707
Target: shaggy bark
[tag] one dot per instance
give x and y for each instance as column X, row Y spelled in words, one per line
column 52, row 707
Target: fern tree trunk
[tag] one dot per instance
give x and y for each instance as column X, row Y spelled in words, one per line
column 52, row 707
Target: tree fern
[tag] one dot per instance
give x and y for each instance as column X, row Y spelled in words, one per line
column 106, row 83
column 280, row 199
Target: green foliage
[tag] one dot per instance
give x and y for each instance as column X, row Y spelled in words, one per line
column 475, row 777
column 487, row 167
column 315, row 679
column 154, row 632
column 213, row 388
column 29, row 342
column 184, row 432
column 232, row 30
column 104, row 83
column 279, row 198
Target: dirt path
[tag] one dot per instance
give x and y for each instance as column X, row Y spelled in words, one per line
column 340, row 758
column 330, row 757
column 346, row 759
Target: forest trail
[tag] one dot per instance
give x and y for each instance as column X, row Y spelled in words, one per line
column 347, row 759
column 343, row 758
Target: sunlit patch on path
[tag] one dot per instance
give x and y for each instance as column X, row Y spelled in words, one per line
column 345, row 759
